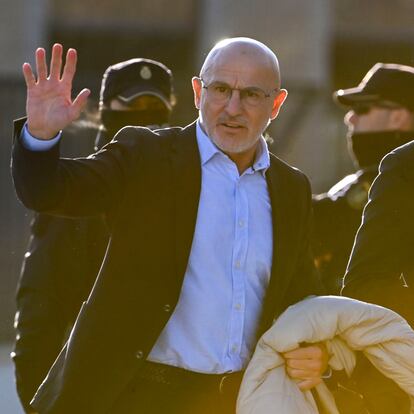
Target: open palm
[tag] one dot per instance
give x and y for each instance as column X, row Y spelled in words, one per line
column 49, row 104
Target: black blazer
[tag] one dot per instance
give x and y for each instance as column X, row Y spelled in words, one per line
column 58, row 270
column 148, row 186
column 381, row 266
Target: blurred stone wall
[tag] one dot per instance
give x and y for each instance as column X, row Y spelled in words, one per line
column 150, row 15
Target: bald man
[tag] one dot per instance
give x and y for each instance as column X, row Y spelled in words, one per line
column 209, row 241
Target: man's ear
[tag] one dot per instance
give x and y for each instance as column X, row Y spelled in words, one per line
column 197, row 87
column 278, row 102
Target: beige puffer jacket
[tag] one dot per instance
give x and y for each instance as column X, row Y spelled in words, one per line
column 345, row 325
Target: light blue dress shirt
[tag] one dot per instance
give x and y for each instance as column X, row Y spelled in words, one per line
column 213, row 326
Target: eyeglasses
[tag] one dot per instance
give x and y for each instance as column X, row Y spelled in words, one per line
column 363, row 109
column 221, row 92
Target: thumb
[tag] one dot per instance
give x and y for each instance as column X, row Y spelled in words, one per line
column 79, row 103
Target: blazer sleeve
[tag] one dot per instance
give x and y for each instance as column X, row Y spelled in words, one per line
column 74, row 187
column 381, row 265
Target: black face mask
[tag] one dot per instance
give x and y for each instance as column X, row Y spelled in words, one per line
column 113, row 120
column 369, row 148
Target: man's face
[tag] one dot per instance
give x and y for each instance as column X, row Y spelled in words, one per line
column 370, row 118
column 234, row 125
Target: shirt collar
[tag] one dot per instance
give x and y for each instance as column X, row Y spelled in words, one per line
column 208, row 149
column 262, row 160
column 205, row 145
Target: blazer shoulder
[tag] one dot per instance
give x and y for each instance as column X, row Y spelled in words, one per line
column 146, row 135
column 294, row 175
column 133, row 138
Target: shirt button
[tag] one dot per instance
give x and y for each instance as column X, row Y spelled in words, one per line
column 237, row 264
column 234, row 349
column 167, row 308
column 139, row 354
column 237, row 306
column 241, row 223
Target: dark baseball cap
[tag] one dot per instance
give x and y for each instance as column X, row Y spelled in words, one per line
column 387, row 82
column 136, row 77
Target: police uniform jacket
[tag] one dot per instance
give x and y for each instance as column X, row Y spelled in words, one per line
column 381, row 266
column 337, row 217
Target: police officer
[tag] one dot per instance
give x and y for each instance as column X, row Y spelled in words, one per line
column 135, row 92
column 379, row 119
column 64, row 255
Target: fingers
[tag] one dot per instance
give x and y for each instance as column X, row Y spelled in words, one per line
column 307, row 364
column 41, row 66
column 55, row 65
column 56, row 61
column 28, row 75
column 70, row 66
column 79, row 102
column 304, row 367
column 305, row 352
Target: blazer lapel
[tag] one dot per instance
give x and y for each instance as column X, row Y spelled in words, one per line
column 186, row 183
column 283, row 223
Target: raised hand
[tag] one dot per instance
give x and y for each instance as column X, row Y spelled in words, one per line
column 49, row 104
